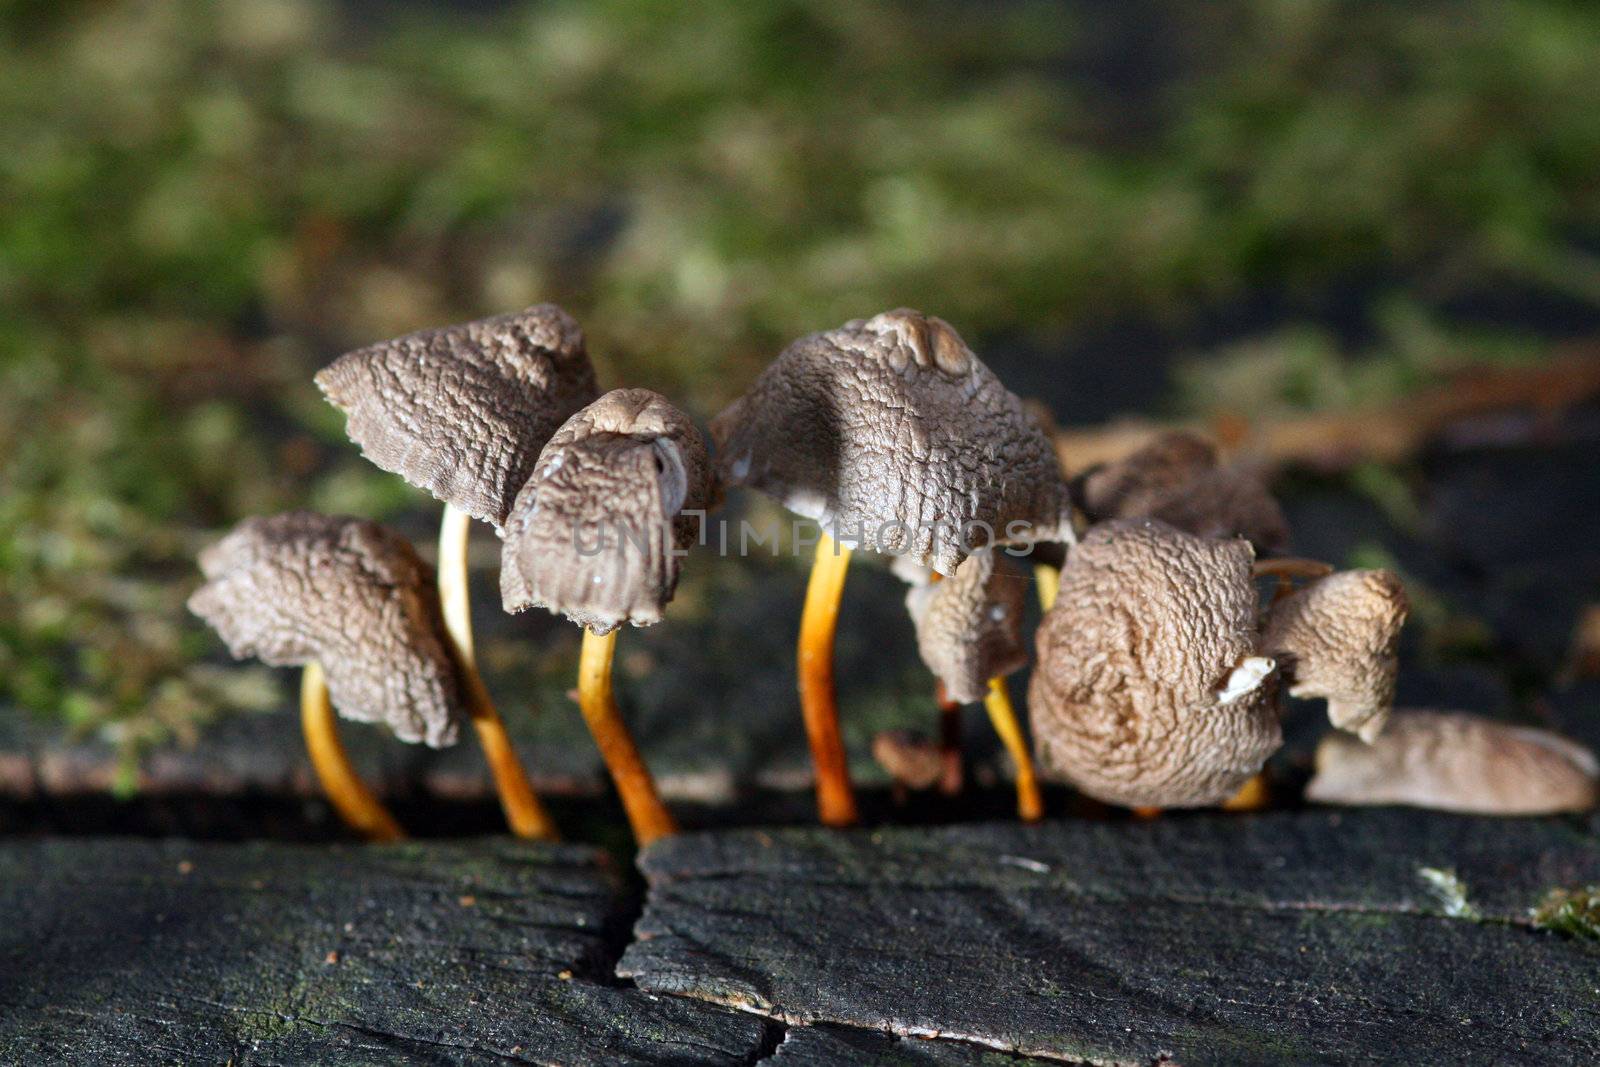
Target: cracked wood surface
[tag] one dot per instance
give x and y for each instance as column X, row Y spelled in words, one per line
column 131, row 952
column 827, row 1045
column 1307, row 936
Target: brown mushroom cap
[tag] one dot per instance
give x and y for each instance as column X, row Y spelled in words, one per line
column 1147, row 690
column 888, row 423
column 969, row 626
column 913, row 762
column 463, row 411
column 1457, row 762
column 1178, row 479
column 300, row 586
column 593, row 533
column 1337, row 637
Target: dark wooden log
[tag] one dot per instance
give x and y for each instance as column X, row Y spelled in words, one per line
column 1290, row 937
column 128, row 952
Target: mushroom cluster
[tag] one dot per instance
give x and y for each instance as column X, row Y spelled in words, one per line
column 502, row 420
column 1159, row 665
column 1158, row 678
column 893, row 436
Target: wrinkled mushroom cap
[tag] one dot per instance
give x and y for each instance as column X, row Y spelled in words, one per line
column 1457, row 762
column 969, row 626
column 888, row 423
column 297, row 587
column 1147, row 690
column 1337, row 637
column 463, row 411
column 595, row 532
column 1178, row 480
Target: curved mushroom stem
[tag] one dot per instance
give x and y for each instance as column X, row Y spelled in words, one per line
column 646, row 814
column 1291, row 567
column 524, row 814
column 1048, row 579
column 836, row 803
column 344, row 788
column 1286, row 570
column 1030, row 805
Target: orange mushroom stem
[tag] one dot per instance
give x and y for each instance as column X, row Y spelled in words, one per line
column 836, row 802
column 1030, row 804
column 343, row 787
column 524, row 814
column 646, row 814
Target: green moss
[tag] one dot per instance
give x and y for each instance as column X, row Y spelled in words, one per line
column 1450, row 891
column 1574, row 912
column 205, row 202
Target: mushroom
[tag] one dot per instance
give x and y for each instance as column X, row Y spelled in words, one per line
column 598, row 534
column 969, row 633
column 462, row 412
column 893, row 436
column 1178, row 479
column 1336, row 638
column 346, row 597
column 1457, row 762
column 912, row 763
column 1148, row 689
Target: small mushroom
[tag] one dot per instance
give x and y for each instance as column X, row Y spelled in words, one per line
column 1336, row 638
column 893, row 436
column 1457, row 762
column 350, row 598
column 969, row 633
column 1179, row 480
column 598, row 535
column 462, row 412
column 1148, row 689
column 912, row 763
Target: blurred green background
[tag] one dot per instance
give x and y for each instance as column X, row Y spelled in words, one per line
column 1175, row 207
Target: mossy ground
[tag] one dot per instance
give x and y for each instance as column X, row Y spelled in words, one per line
column 1310, row 204
column 1574, row 912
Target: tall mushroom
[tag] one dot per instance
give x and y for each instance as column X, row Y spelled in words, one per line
column 969, row 633
column 350, row 602
column 1149, row 690
column 893, row 436
column 1457, row 762
column 1337, row 639
column 598, row 534
column 463, row 412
